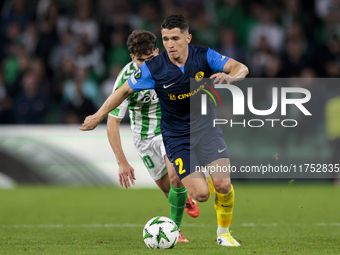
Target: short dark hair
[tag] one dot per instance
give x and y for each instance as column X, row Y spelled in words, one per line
column 141, row 42
column 175, row 21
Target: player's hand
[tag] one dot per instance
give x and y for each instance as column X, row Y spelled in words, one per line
column 221, row 78
column 90, row 123
column 126, row 175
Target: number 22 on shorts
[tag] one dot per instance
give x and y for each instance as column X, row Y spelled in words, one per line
column 179, row 162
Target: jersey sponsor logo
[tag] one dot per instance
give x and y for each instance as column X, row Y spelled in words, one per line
column 202, row 87
column 147, row 98
column 199, row 76
column 167, row 86
column 138, row 74
column 184, row 95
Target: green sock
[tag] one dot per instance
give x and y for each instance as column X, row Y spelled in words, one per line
column 177, row 200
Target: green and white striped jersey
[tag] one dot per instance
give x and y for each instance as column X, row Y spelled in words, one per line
column 144, row 109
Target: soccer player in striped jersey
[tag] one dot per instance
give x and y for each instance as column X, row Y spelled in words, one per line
column 145, row 116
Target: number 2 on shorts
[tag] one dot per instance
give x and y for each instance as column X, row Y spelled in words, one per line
column 179, row 162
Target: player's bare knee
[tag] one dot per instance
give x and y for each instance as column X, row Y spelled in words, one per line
column 222, row 186
column 201, row 196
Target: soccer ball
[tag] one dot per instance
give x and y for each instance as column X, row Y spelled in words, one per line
column 160, row 233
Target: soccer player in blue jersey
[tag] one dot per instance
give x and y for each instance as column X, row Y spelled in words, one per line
column 145, row 115
column 189, row 142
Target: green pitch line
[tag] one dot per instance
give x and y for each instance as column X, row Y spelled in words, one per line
column 268, row 219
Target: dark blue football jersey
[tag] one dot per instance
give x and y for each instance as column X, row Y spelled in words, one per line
column 180, row 103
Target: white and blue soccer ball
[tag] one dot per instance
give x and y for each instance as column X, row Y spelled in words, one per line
column 160, row 233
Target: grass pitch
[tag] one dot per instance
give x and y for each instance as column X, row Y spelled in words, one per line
column 268, row 219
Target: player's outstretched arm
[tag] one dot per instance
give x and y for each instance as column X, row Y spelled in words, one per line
column 113, row 101
column 126, row 172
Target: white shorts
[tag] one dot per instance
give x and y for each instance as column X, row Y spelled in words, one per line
column 152, row 153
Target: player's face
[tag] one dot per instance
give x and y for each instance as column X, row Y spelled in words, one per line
column 139, row 60
column 175, row 42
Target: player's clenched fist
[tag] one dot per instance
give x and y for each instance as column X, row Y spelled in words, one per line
column 90, row 123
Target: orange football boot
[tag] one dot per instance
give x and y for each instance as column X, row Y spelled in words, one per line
column 181, row 238
column 191, row 207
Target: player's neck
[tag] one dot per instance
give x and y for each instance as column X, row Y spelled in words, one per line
column 180, row 61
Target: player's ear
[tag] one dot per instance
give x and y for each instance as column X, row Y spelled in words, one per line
column 157, row 51
column 189, row 37
column 132, row 57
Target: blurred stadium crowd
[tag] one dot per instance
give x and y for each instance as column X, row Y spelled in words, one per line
column 59, row 59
